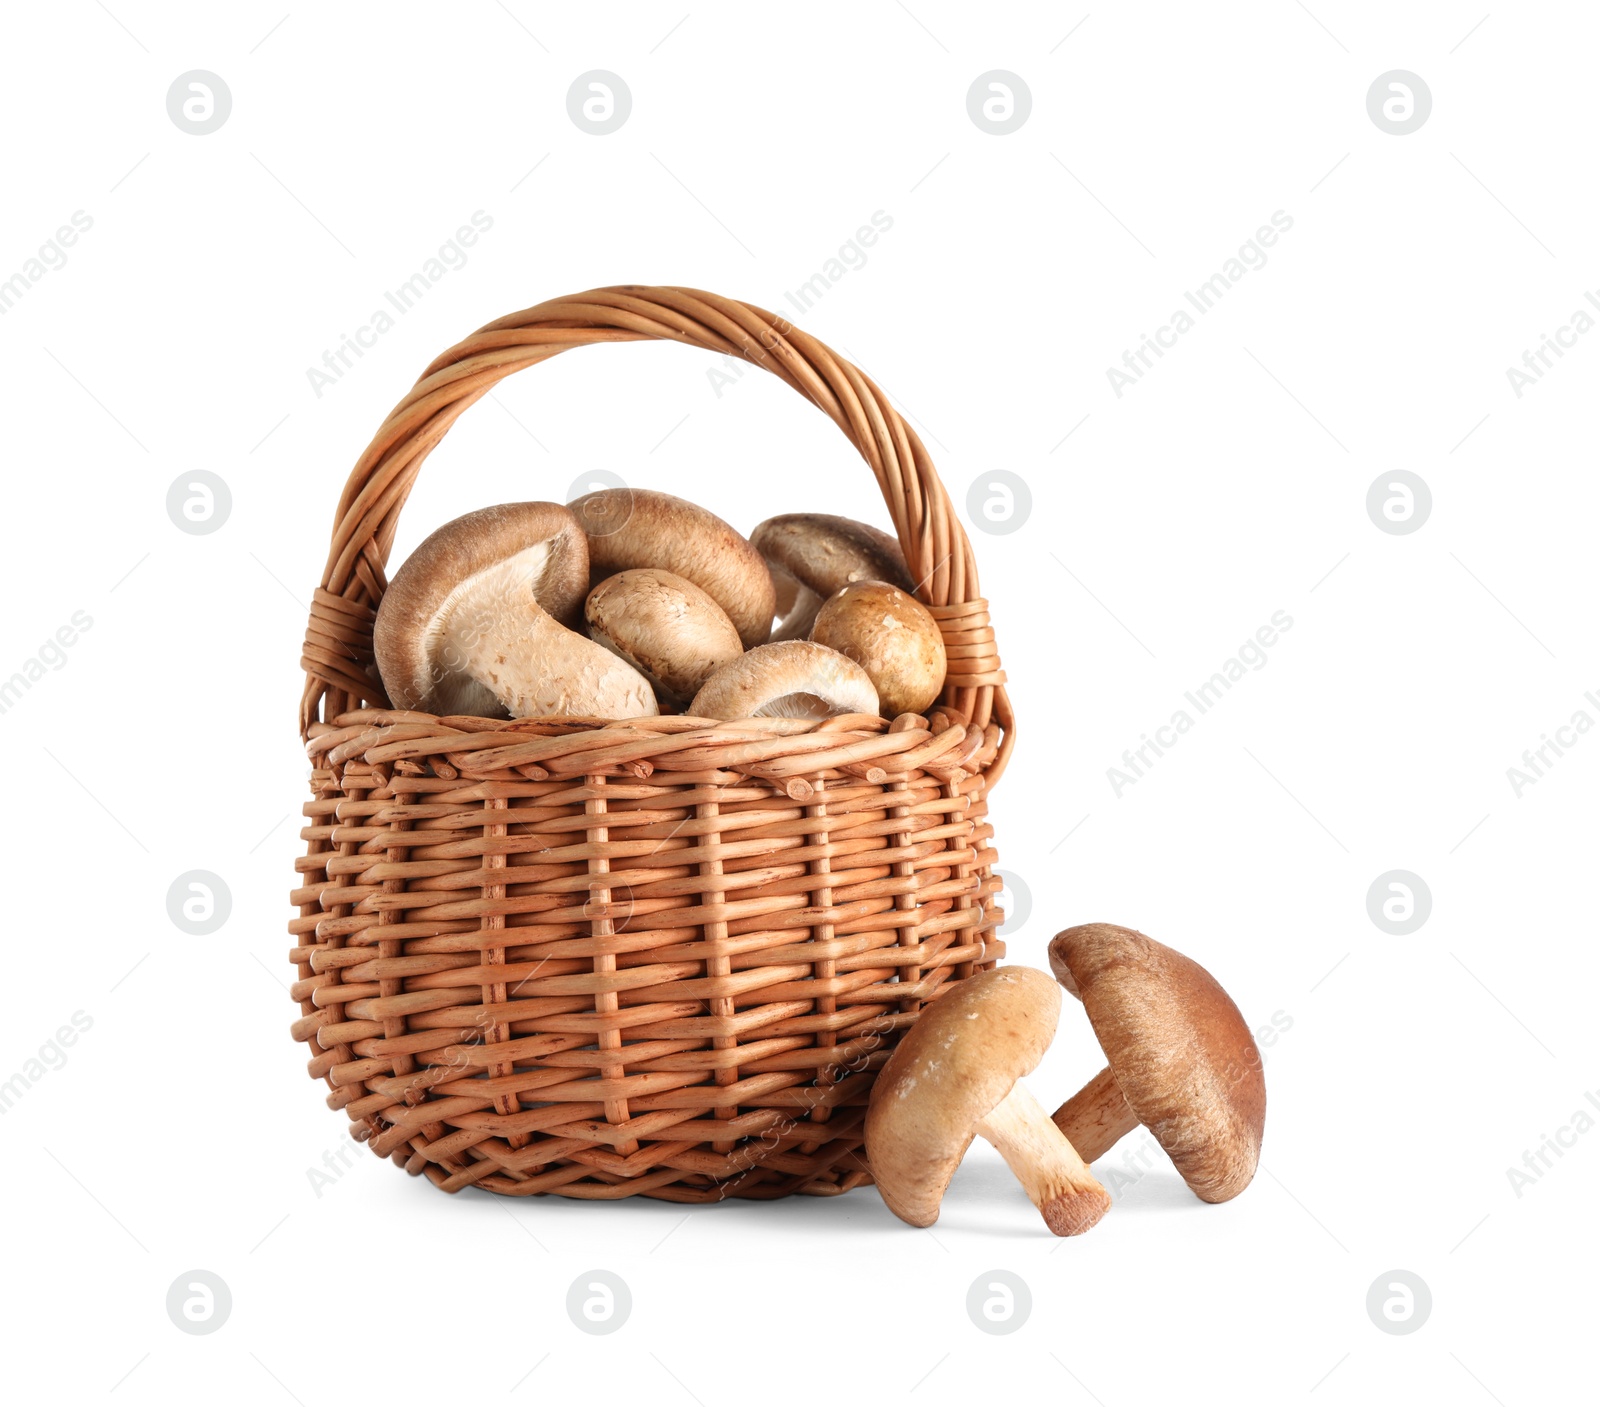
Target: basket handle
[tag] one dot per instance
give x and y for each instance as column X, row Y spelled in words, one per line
column 337, row 657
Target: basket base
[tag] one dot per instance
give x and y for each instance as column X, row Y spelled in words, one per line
column 661, row 958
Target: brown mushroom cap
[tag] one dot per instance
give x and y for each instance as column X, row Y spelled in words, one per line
column 892, row 636
column 951, row 1069
column 667, row 628
column 1177, row 1047
column 629, row 528
column 786, row 679
column 432, row 613
column 813, row 555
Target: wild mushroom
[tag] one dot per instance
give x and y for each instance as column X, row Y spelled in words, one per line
column 469, row 624
column 957, row 1072
column 630, row 528
column 786, row 679
column 813, row 555
column 1182, row 1061
column 665, row 627
column 892, row 636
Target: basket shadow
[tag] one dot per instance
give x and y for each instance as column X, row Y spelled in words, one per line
column 983, row 1201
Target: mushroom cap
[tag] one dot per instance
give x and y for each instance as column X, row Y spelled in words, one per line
column 1178, row 1049
column 892, row 636
column 825, row 552
column 629, row 528
column 786, row 679
column 813, row 555
column 463, row 577
column 956, row 1062
column 667, row 628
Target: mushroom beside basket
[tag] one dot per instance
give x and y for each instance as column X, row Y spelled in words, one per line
column 662, row 956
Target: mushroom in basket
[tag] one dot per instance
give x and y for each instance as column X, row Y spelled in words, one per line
column 628, row 528
column 892, row 636
column 665, row 626
column 814, row 555
column 471, row 623
column 786, row 679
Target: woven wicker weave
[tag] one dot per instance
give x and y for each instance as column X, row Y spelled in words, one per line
column 663, row 956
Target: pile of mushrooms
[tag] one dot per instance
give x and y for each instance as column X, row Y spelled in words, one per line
column 628, row 603
column 1180, row 1060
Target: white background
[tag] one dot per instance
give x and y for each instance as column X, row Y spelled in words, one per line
column 1228, row 484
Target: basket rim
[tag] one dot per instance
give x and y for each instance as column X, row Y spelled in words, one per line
column 789, row 752
column 337, row 657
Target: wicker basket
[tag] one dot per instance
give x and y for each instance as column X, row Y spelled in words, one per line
column 661, row 956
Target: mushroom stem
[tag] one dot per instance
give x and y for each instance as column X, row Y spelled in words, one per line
column 1096, row 1117
column 797, row 608
column 1055, row 1178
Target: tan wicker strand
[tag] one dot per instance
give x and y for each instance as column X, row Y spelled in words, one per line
column 662, row 957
